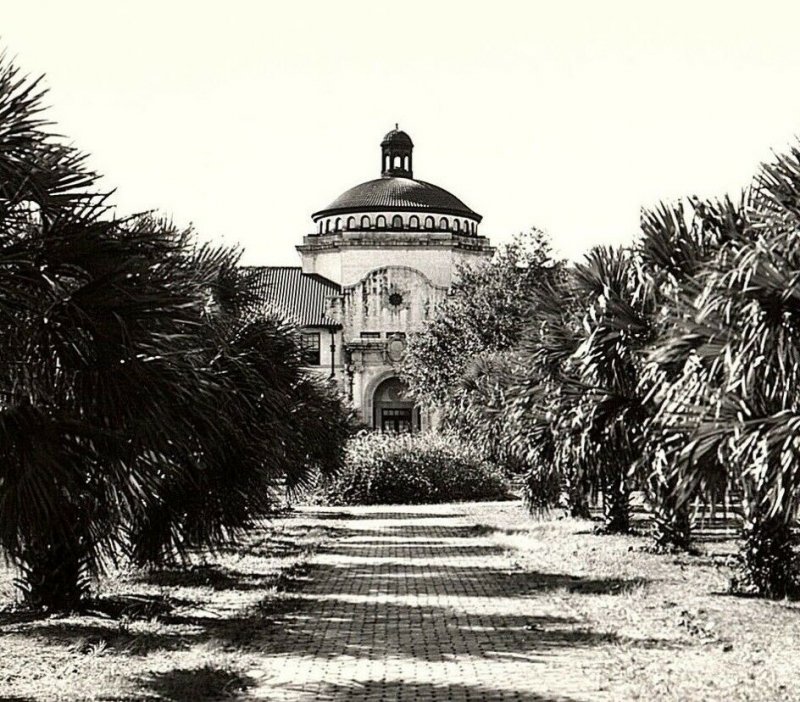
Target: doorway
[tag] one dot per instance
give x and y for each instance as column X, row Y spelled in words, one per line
column 397, row 419
column 393, row 409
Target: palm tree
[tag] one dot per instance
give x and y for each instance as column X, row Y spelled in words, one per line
column 676, row 243
column 537, row 408
column 141, row 410
column 609, row 411
column 100, row 381
column 276, row 429
column 579, row 397
column 736, row 399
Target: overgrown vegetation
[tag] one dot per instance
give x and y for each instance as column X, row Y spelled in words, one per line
column 145, row 407
column 422, row 468
column 193, row 632
column 669, row 367
column 458, row 362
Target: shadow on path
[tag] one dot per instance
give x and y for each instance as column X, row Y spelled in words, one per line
column 207, row 684
column 401, row 606
column 416, row 692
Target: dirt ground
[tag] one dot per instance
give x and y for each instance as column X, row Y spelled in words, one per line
column 454, row 602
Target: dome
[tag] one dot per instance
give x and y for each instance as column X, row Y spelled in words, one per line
column 397, row 190
column 397, row 137
column 397, row 193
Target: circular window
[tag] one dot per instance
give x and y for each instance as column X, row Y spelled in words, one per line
column 395, row 299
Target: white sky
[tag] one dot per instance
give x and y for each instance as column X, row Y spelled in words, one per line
column 244, row 117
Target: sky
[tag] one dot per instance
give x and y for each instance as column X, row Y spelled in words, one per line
column 243, row 117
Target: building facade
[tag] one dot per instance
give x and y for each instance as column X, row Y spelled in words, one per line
column 381, row 258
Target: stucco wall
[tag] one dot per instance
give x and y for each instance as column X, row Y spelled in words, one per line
column 372, row 266
column 434, row 264
column 347, row 259
column 387, row 299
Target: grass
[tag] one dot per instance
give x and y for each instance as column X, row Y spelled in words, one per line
column 650, row 627
column 192, row 634
column 725, row 647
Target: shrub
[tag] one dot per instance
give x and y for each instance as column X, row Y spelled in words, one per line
column 412, row 469
column 145, row 408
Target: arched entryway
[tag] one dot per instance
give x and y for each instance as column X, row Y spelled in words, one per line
column 393, row 409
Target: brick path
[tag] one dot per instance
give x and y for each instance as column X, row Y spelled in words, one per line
column 414, row 604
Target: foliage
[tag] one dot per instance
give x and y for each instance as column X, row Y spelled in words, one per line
column 580, row 384
column 460, row 363
column 382, row 468
column 677, row 242
column 736, row 399
column 586, row 395
column 142, row 409
column 275, row 429
column 484, row 313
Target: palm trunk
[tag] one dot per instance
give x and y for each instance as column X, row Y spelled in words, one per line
column 768, row 561
column 577, row 502
column 53, row 577
column 616, row 507
column 672, row 524
column 672, row 527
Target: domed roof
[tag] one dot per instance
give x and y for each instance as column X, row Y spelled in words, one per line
column 397, row 193
column 397, row 136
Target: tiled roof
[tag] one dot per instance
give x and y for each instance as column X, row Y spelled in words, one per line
column 397, row 194
column 300, row 297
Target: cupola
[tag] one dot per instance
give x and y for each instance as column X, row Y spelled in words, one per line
column 396, row 153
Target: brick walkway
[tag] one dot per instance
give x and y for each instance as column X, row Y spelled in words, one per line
column 414, row 604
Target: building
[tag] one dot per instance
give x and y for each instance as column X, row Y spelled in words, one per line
column 382, row 256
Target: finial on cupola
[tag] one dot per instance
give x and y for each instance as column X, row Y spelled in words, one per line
column 396, row 154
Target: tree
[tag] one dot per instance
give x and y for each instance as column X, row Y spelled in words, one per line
column 142, row 411
column 577, row 398
column 532, row 401
column 736, row 399
column 277, row 428
column 600, row 426
column 460, row 361
column 101, row 385
column 484, row 313
column 676, row 244
column 586, row 396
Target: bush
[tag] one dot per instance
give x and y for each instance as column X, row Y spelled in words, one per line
column 146, row 407
column 412, row 469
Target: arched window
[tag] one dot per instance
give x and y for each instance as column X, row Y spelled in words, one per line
column 474, row 228
column 429, row 223
column 397, row 222
column 321, row 224
column 365, row 222
column 456, row 225
column 398, row 161
column 351, row 222
column 338, row 226
column 380, row 223
column 443, row 223
column 327, row 226
column 413, row 223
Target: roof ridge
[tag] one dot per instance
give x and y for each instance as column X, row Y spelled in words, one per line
column 273, row 267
